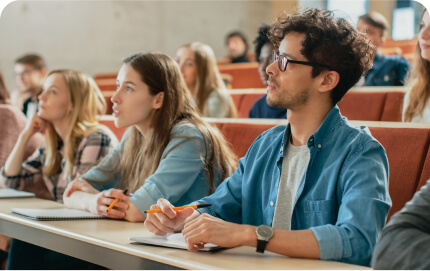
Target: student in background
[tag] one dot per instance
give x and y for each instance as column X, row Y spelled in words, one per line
column 30, row 72
column 168, row 151
column 263, row 54
column 237, row 46
column 387, row 70
column 316, row 188
column 416, row 106
column 12, row 122
column 200, row 72
column 67, row 115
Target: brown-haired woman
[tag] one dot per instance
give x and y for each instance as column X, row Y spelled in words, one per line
column 168, row 151
column 416, row 106
column 200, row 71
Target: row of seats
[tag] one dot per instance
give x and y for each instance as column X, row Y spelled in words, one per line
column 406, row 144
column 366, row 103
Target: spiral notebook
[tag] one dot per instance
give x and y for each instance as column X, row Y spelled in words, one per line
column 55, row 214
column 9, row 193
column 175, row 240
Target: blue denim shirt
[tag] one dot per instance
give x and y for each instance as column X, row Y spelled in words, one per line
column 387, row 71
column 343, row 196
column 180, row 177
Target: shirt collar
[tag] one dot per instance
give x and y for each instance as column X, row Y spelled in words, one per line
column 324, row 132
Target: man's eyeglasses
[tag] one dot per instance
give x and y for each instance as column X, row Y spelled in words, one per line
column 283, row 62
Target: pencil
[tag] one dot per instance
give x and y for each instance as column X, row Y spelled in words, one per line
column 115, row 202
column 178, row 208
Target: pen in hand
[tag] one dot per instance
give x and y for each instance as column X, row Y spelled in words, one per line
column 178, row 208
column 115, row 202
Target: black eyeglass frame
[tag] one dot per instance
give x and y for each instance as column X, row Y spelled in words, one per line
column 283, row 67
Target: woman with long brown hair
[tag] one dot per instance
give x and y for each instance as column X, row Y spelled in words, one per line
column 200, row 71
column 168, row 151
column 417, row 100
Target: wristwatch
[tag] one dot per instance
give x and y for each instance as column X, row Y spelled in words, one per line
column 264, row 233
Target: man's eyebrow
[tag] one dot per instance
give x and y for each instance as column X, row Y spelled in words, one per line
column 287, row 55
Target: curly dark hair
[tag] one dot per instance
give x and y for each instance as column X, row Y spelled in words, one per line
column 330, row 41
column 261, row 39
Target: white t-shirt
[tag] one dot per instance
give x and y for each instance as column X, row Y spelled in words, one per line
column 294, row 165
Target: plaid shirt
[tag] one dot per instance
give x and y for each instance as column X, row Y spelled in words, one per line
column 90, row 150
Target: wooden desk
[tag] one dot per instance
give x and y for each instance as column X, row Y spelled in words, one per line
column 105, row 242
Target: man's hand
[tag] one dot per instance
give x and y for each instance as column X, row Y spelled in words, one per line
column 208, row 229
column 169, row 220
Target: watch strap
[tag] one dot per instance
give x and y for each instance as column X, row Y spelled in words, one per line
column 261, row 245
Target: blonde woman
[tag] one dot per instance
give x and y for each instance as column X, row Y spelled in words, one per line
column 67, row 111
column 416, row 106
column 74, row 140
column 200, row 71
column 168, row 151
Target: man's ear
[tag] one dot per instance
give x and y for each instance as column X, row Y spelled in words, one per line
column 158, row 101
column 329, row 81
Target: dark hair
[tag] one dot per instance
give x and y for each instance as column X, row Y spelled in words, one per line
column 375, row 19
column 240, row 35
column 32, row 59
column 4, row 93
column 261, row 39
column 329, row 41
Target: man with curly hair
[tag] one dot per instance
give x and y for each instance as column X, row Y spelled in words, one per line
column 316, row 188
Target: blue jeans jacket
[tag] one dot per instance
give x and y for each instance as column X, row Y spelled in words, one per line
column 343, row 196
column 180, row 177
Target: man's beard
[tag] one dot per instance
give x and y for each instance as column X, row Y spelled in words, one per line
column 290, row 102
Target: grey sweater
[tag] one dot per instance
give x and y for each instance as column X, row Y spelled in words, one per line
column 405, row 241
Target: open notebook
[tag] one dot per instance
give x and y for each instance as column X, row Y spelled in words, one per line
column 175, row 240
column 8, row 193
column 55, row 214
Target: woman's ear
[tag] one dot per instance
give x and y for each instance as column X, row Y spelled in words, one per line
column 330, row 81
column 158, row 101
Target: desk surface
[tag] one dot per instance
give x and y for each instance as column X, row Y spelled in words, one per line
column 105, row 242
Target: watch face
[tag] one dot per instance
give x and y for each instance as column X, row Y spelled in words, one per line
column 264, row 231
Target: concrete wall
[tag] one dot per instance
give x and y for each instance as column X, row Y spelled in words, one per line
column 93, row 36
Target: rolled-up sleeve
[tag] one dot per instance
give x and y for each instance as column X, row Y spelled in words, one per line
column 363, row 210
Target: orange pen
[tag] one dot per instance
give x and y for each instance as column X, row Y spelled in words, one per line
column 115, row 202
column 179, row 208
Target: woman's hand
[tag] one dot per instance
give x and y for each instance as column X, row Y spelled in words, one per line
column 100, row 202
column 79, row 185
column 35, row 125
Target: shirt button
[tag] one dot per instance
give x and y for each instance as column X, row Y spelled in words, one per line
column 319, row 146
column 272, row 203
column 280, row 149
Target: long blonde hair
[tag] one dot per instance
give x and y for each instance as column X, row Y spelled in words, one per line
column 419, row 85
column 142, row 153
column 87, row 101
column 208, row 78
